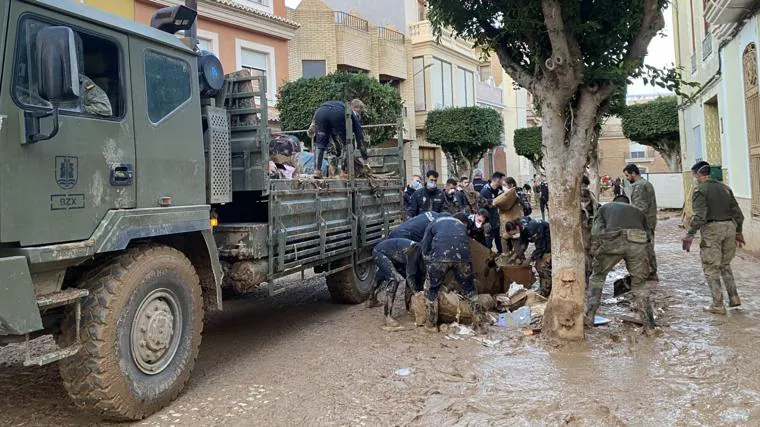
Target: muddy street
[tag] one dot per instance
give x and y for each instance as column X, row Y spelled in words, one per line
column 296, row 358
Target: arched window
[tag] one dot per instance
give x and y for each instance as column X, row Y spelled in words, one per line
column 752, row 108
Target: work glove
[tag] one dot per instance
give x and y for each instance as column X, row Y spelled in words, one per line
column 740, row 240
column 686, row 242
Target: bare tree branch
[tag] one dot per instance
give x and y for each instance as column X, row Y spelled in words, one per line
column 651, row 23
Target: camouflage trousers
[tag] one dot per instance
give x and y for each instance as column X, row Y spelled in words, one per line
column 636, row 261
column 544, row 270
column 436, row 274
column 717, row 250
column 652, row 256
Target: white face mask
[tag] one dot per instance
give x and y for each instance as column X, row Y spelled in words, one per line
column 516, row 236
column 478, row 224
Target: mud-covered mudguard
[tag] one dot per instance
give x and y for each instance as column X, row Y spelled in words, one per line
column 18, row 304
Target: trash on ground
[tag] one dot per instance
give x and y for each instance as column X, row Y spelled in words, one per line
column 622, row 285
column 502, row 320
column 403, row 372
column 522, row 317
column 531, row 331
column 514, row 287
column 631, row 319
column 487, row 342
column 599, row 320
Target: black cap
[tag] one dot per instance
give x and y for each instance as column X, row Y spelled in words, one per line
column 700, row 166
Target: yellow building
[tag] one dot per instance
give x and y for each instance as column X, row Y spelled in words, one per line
column 716, row 42
column 123, row 8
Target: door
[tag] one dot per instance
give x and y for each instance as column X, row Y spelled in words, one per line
column 60, row 189
column 168, row 132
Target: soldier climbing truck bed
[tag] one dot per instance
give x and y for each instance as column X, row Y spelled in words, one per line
column 133, row 175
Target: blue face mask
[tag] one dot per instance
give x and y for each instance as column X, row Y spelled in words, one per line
column 431, row 185
column 417, row 185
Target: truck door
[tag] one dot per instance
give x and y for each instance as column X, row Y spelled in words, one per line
column 60, row 189
column 171, row 164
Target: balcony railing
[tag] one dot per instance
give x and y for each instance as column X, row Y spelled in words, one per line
column 707, row 46
column 720, row 12
column 388, row 34
column 351, row 21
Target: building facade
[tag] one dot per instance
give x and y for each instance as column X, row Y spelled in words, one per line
column 717, row 44
column 616, row 151
column 244, row 34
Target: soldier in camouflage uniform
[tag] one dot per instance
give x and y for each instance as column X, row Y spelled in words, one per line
column 94, row 99
column 620, row 232
column 643, row 197
column 589, row 207
column 719, row 220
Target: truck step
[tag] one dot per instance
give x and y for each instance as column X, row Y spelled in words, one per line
column 58, row 299
column 52, row 356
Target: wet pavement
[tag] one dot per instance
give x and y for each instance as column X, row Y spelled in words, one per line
column 295, row 358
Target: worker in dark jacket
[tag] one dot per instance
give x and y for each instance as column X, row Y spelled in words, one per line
column 329, row 124
column 489, row 192
column 414, row 185
column 537, row 232
column 428, row 199
column 478, row 227
column 516, row 244
column 399, row 262
column 455, row 198
column 477, row 181
column 620, row 232
column 446, row 247
column 414, row 228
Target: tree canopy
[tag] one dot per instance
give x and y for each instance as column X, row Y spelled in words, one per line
column 465, row 134
column 298, row 100
column 527, row 143
column 655, row 124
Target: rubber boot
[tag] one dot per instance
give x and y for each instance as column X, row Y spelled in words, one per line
column 390, row 297
column 319, row 155
column 717, row 306
column 431, row 316
column 373, row 300
column 730, row 283
column 646, row 311
column 408, row 293
column 592, row 305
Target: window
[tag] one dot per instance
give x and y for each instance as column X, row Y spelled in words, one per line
column 638, row 151
column 697, row 134
column 441, row 84
column 314, row 68
column 643, row 170
column 485, row 72
column 167, row 83
column 99, row 60
column 208, row 41
column 427, row 160
column 418, row 64
column 465, row 88
column 259, row 60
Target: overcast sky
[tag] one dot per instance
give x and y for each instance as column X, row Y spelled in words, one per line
column 661, row 53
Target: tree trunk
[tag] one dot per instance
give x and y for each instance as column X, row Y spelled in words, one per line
column 538, row 167
column 565, row 160
column 593, row 164
column 453, row 166
column 672, row 158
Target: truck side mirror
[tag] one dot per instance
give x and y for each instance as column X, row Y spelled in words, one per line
column 58, row 78
column 57, row 64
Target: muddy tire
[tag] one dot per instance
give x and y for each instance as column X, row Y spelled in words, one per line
column 353, row 285
column 140, row 331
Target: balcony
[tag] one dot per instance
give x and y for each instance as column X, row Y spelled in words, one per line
column 722, row 12
column 353, row 41
column 489, row 94
column 391, row 49
column 422, row 32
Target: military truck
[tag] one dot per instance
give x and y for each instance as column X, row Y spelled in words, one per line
column 133, row 174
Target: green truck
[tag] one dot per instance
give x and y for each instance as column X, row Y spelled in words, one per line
column 134, row 187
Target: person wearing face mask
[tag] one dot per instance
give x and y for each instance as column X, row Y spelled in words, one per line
column 538, row 233
column 643, row 197
column 517, row 244
column 589, row 207
column 414, row 228
column 510, row 205
column 427, row 199
column 477, row 226
column 414, row 185
column 719, row 220
column 455, row 199
column 489, row 192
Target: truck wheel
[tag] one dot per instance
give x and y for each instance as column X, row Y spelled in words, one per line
column 140, row 331
column 353, row 285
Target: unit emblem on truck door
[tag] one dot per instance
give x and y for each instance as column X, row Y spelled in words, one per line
column 66, row 171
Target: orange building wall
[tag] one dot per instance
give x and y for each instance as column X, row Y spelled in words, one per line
column 227, row 36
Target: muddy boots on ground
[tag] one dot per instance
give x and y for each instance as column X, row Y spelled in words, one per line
column 593, row 301
column 717, row 306
column 478, row 319
column 390, row 297
column 373, row 300
column 646, row 311
column 431, row 316
column 730, row 283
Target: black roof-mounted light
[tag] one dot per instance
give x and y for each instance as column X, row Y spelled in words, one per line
column 173, row 19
